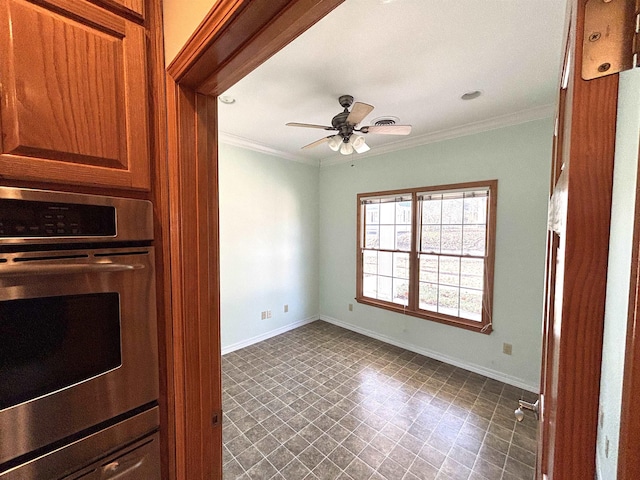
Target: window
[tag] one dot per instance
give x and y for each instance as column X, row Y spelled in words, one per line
column 429, row 252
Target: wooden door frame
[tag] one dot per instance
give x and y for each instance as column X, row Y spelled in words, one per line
column 572, row 360
column 233, row 39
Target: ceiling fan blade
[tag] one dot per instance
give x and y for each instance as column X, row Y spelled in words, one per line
column 387, row 129
column 309, row 125
column 317, row 142
column 358, row 112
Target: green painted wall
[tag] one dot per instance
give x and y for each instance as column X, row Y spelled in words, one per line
column 519, row 157
column 268, row 243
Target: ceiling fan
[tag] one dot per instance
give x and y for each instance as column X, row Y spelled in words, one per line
column 346, row 122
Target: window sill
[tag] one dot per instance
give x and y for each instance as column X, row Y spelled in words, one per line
column 432, row 316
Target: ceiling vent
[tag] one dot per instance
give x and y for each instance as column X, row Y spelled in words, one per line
column 385, row 121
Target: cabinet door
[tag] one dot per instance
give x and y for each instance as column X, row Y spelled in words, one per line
column 74, row 106
column 134, row 8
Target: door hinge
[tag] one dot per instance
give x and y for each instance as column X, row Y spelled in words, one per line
column 611, row 42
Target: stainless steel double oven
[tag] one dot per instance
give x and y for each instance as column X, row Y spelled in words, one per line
column 78, row 343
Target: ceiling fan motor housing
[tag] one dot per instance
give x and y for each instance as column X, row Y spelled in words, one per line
column 339, row 122
column 346, row 101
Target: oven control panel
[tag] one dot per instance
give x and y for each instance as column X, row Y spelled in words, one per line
column 46, row 217
column 25, row 218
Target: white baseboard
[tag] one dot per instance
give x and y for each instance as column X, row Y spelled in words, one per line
column 502, row 377
column 269, row 334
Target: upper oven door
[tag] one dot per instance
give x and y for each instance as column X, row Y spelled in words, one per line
column 78, row 342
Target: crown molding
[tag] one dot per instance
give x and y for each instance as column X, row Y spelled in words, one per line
column 242, row 142
column 523, row 116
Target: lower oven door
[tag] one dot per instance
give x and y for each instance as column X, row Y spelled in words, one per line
column 78, row 345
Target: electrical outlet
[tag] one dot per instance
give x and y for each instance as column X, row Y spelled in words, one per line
column 263, row 315
column 286, row 308
column 351, row 307
column 268, row 313
column 507, row 348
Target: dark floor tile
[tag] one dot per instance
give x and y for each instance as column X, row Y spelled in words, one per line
column 267, row 445
column 295, row 470
column 324, row 403
column 455, row 470
column 249, row 457
column 232, row 470
column 327, row 470
column 358, row 470
column 518, row 469
column 462, row 456
column 423, row 470
column 354, row 444
column 311, row 457
column 522, row 455
column 492, row 455
column 391, row 470
column 280, row 457
column 262, row 470
column 432, row 456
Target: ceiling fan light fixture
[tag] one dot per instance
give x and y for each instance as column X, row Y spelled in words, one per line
column 335, row 142
column 358, row 143
column 346, row 148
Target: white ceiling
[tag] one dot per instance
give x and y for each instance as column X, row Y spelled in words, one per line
column 411, row 59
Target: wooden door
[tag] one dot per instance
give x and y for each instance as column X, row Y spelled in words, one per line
column 74, row 104
column 577, row 254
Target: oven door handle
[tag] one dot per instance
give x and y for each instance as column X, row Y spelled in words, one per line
column 68, row 269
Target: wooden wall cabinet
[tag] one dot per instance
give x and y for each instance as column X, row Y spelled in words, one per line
column 128, row 8
column 74, row 104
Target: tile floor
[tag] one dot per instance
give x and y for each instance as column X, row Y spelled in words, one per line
column 322, row 402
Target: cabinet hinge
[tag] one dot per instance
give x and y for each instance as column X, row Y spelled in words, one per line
column 611, row 42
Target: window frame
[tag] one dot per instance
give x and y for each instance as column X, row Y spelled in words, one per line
column 412, row 308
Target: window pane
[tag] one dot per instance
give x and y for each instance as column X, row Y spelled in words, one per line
column 452, row 250
column 372, row 237
column 448, row 298
column 431, row 211
column 385, row 263
column 386, row 237
column 403, row 237
column 388, row 213
column 475, row 210
column 451, row 239
column 401, row 265
column 474, row 240
column 372, row 213
column 370, row 262
column 471, row 304
column 400, row 291
column 429, row 296
column 403, row 213
column 452, row 211
column 449, row 271
column 472, row 273
column 384, row 288
column 369, row 286
column 431, row 238
column 429, row 268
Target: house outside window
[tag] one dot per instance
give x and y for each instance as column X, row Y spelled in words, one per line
column 429, row 252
